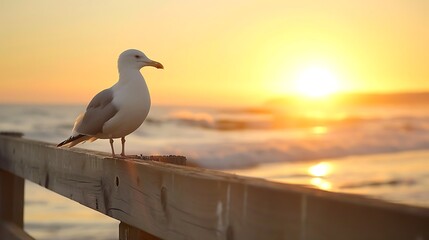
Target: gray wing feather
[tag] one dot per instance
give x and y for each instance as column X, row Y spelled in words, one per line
column 98, row 112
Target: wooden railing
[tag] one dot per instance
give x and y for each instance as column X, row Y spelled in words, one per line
column 153, row 199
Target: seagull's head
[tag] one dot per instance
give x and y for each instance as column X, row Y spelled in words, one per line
column 135, row 59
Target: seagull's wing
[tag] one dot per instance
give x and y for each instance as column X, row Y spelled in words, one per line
column 87, row 125
column 100, row 110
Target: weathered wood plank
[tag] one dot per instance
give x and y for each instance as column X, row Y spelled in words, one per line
column 361, row 222
column 127, row 232
column 176, row 202
column 11, row 198
column 11, row 231
column 12, row 203
column 11, row 194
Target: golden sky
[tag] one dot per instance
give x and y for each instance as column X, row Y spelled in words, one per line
column 221, row 52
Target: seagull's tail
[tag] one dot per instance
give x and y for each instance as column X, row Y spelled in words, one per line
column 73, row 140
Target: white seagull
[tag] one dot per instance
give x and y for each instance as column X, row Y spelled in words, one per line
column 117, row 111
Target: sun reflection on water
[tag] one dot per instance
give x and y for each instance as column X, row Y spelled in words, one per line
column 319, row 172
column 321, row 183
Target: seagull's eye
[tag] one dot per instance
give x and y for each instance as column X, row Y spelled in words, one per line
column 137, row 56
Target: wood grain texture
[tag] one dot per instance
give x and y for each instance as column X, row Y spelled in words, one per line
column 10, row 231
column 127, row 232
column 177, row 202
column 11, row 198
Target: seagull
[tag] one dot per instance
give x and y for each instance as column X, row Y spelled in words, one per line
column 119, row 110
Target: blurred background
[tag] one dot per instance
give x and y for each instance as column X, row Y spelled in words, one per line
column 330, row 94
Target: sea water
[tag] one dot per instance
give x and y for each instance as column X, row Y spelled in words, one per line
column 379, row 151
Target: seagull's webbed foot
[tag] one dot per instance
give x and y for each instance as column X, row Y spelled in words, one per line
column 120, row 156
column 126, row 156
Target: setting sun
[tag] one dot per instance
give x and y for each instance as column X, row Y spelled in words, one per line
column 316, row 82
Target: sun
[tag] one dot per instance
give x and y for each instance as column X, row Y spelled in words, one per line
column 316, row 82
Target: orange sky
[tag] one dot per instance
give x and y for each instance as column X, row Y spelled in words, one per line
column 215, row 52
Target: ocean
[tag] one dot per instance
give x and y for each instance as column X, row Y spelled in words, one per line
column 377, row 147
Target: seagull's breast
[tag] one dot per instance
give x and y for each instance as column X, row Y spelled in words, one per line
column 132, row 99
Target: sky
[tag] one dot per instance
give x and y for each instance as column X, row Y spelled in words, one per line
column 240, row 52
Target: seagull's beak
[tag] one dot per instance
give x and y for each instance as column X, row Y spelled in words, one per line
column 154, row 64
